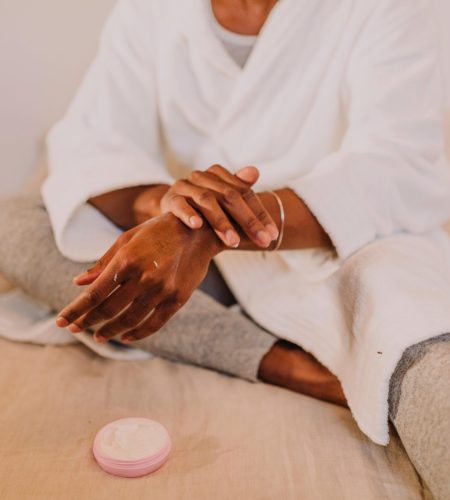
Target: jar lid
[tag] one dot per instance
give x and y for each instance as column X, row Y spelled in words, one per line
column 132, row 447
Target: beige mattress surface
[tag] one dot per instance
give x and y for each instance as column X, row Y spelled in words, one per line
column 231, row 439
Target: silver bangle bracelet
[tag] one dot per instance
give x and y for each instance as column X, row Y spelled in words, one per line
column 282, row 221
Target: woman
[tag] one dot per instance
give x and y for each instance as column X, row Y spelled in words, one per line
column 338, row 105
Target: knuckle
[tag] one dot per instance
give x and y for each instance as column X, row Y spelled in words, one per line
column 248, row 194
column 253, row 223
column 170, row 291
column 178, row 186
column 221, row 224
column 196, row 175
column 126, row 322
column 154, row 325
column 215, row 169
column 90, row 319
column 147, row 279
column 178, row 201
column 262, row 215
column 94, row 296
column 205, row 196
column 231, row 195
column 123, row 258
column 128, row 264
column 181, row 299
column 71, row 316
column 103, row 311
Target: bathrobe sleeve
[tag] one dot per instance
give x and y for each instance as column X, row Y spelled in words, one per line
column 389, row 174
column 109, row 138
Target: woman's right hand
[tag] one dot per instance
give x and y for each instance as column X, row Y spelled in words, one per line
column 222, row 198
column 155, row 266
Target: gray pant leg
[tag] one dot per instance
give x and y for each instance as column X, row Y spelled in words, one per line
column 420, row 410
column 29, row 257
column 208, row 334
column 203, row 332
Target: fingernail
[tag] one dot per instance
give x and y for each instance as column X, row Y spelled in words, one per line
column 82, row 275
column 273, row 231
column 127, row 340
column 232, row 238
column 264, row 238
column 62, row 322
column 99, row 339
column 195, row 221
column 74, row 328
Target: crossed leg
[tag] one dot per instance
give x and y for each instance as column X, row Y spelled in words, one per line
column 208, row 334
column 204, row 332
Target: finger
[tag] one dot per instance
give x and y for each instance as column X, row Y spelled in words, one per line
column 249, row 175
column 251, row 222
column 255, row 203
column 93, row 295
column 161, row 315
column 227, row 176
column 132, row 316
column 205, row 201
column 108, row 309
column 94, row 272
column 248, row 221
column 86, row 278
column 178, row 205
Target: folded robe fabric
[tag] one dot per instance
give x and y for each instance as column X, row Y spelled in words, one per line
column 340, row 101
column 24, row 319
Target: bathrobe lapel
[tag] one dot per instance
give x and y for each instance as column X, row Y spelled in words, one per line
column 244, row 112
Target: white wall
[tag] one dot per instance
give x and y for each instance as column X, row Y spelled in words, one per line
column 442, row 8
column 45, row 46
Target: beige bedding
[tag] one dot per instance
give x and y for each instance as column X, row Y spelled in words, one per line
column 232, row 439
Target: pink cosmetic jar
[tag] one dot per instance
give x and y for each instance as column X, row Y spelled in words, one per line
column 132, row 447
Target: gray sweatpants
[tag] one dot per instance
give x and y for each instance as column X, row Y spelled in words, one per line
column 203, row 332
column 208, row 334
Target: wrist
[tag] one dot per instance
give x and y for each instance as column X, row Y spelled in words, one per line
column 208, row 240
column 203, row 240
column 147, row 203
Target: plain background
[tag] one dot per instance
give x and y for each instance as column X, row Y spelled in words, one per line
column 45, row 47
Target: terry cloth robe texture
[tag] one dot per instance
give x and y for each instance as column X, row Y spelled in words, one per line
column 341, row 102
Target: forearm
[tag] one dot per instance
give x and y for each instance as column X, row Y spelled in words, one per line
column 131, row 206
column 302, row 230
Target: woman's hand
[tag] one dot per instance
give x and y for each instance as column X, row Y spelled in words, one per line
column 220, row 196
column 153, row 267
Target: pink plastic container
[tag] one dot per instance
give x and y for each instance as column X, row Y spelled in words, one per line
column 132, row 447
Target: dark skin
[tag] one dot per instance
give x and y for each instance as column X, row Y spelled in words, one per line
column 151, row 266
column 163, row 275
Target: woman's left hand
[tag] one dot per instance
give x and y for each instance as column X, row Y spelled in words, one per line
column 223, row 199
column 153, row 267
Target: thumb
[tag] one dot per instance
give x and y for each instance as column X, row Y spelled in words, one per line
column 89, row 276
column 249, row 175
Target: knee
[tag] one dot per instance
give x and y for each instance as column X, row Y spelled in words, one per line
column 19, row 208
column 24, row 223
column 422, row 416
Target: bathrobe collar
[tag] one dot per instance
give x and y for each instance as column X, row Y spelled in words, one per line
column 287, row 25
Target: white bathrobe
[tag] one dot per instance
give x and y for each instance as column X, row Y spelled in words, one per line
column 342, row 101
